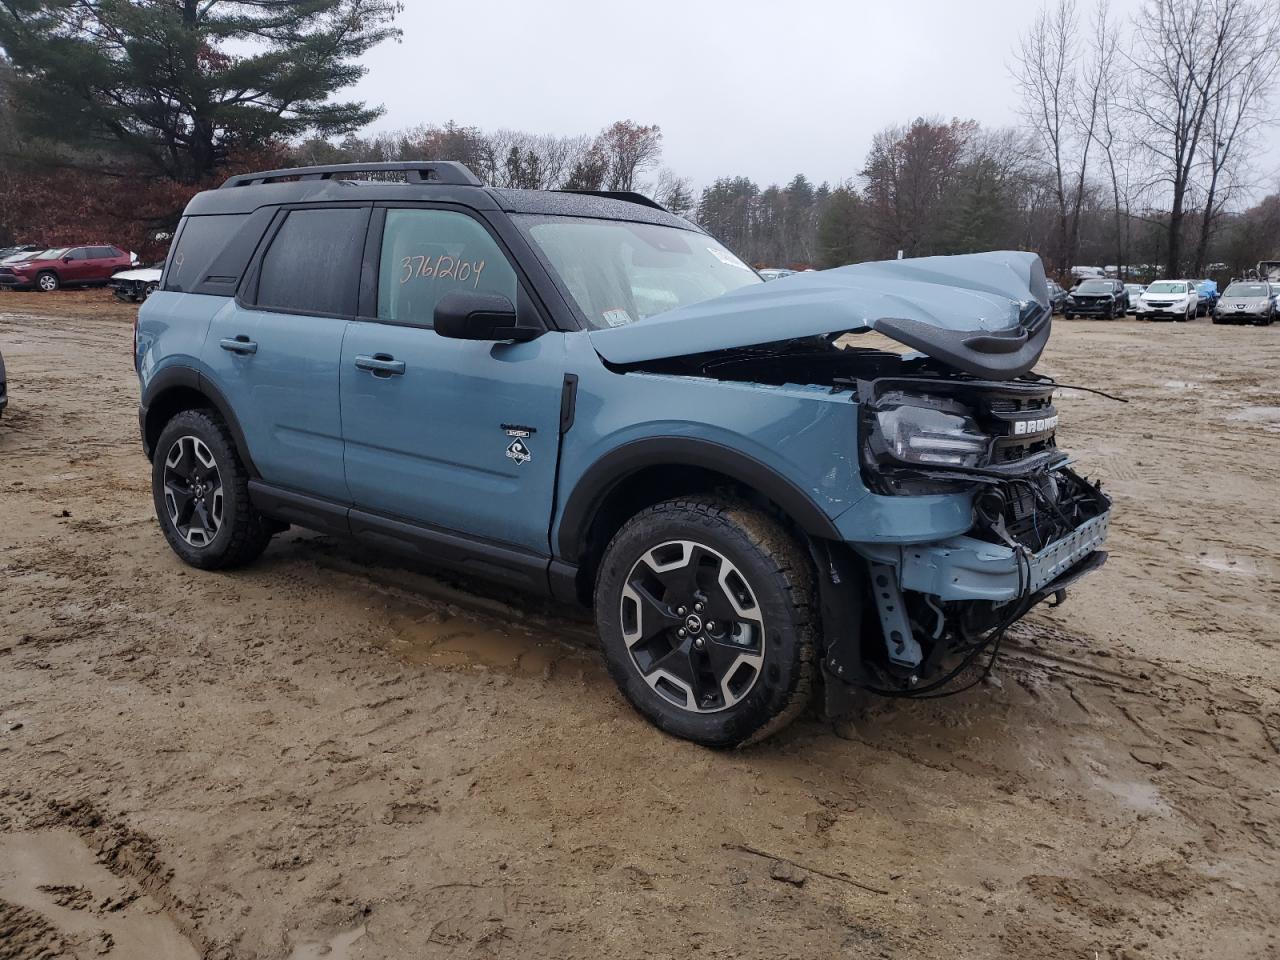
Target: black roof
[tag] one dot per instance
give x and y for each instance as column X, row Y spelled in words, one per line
column 445, row 181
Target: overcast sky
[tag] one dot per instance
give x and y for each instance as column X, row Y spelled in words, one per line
column 765, row 89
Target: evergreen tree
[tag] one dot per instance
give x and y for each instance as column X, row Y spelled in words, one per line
column 179, row 83
column 842, row 230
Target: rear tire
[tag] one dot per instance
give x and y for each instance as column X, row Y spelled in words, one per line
column 201, row 493
column 706, row 614
column 47, row 282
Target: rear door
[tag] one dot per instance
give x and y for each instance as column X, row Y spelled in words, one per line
column 273, row 351
column 458, row 435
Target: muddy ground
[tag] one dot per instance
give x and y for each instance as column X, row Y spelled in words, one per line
column 330, row 755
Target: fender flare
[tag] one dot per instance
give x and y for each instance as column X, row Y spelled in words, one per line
column 600, row 479
column 184, row 377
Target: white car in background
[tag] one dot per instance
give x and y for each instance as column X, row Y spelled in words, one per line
column 136, row 284
column 1135, row 291
column 1169, row 300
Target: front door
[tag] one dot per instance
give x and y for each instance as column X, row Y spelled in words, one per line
column 454, row 434
column 274, row 354
column 76, row 266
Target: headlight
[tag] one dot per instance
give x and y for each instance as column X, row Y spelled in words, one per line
column 931, row 437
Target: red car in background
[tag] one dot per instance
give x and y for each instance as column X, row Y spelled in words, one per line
column 64, row 267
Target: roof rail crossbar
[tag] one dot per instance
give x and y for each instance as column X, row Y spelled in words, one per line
column 628, row 196
column 415, row 171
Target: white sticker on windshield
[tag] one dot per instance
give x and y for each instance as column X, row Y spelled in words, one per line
column 617, row 317
column 725, row 257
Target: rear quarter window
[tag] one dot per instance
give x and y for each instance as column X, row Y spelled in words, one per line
column 199, row 241
column 313, row 263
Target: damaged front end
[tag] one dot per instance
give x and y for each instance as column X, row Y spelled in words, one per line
column 969, row 514
column 1037, row 525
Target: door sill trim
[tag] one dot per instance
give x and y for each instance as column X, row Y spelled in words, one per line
column 487, row 559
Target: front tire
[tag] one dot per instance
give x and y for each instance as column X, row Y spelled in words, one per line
column 706, row 615
column 201, row 493
column 47, row 282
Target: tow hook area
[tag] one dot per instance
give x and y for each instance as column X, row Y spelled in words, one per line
column 900, row 643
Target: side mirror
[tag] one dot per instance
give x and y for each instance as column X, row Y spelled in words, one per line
column 467, row 315
column 66, row 259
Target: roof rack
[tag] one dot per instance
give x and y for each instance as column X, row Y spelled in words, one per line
column 415, row 171
column 627, row 196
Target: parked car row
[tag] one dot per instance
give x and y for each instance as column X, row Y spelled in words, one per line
column 1245, row 301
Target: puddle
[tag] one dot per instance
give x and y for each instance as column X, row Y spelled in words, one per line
column 336, row 948
column 1132, row 793
column 52, row 874
column 1269, row 417
column 1240, row 567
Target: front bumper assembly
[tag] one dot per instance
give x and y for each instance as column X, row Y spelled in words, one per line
column 938, row 598
column 966, row 568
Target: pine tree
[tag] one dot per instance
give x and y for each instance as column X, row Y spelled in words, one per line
column 177, row 84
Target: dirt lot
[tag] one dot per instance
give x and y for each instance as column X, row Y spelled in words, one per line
column 330, row 755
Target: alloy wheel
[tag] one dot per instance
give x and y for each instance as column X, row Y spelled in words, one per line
column 193, row 491
column 693, row 626
column 48, row 283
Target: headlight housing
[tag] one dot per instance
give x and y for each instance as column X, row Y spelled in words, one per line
column 928, row 436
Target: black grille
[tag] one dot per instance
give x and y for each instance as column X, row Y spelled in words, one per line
column 1017, row 404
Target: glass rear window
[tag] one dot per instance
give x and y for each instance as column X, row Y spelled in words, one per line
column 1247, row 290
column 1095, row 287
column 199, row 242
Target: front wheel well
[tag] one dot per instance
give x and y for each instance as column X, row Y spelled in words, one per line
column 651, row 485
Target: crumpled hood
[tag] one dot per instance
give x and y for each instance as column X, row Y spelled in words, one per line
column 983, row 313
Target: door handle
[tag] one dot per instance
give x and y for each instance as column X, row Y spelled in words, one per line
column 240, row 344
column 381, row 365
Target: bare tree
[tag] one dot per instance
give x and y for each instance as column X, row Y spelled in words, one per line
column 631, row 148
column 1237, row 110
column 1103, row 77
column 1182, row 50
column 1046, row 73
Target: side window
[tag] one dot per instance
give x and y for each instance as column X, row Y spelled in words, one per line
column 313, row 263
column 79, row 253
column 200, row 240
column 428, row 253
column 102, row 253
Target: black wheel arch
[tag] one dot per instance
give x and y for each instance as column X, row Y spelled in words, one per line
column 178, row 388
column 643, row 472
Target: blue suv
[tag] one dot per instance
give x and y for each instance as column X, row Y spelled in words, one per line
column 584, row 395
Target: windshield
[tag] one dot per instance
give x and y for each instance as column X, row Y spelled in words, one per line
column 1246, row 290
column 1134, row 287
column 55, row 254
column 618, row 272
column 1094, row 286
column 1167, row 286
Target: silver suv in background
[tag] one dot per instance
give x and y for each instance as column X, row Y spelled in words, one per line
column 1247, row 301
